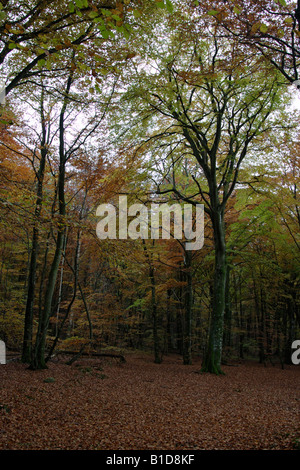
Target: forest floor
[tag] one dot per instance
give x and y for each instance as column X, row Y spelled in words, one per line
column 104, row 405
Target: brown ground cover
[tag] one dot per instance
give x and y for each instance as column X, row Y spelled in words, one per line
column 104, row 405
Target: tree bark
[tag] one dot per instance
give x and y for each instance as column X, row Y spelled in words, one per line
column 187, row 315
column 227, row 315
column 38, row 360
column 213, row 356
column 28, row 324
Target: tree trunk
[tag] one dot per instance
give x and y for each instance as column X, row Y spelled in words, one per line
column 75, row 272
column 213, row 356
column 38, row 359
column 157, row 353
column 28, row 323
column 227, row 315
column 156, row 341
column 241, row 322
column 187, row 315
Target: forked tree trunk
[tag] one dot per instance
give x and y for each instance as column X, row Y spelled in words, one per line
column 38, row 358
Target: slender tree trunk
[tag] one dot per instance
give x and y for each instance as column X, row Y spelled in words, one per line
column 157, row 352
column 28, row 323
column 289, row 327
column 241, row 322
column 60, row 289
column 156, row 341
column 38, row 359
column 260, row 324
column 75, row 271
column 169, row 339
column 227, row 315
column 187, row 315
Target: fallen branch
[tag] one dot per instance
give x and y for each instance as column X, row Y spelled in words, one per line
column 78, row 354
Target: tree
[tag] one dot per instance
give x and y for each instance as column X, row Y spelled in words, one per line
column 37, row 36
column 270, row 27
column 200, row 99
column 70, row 142
column 44, row 148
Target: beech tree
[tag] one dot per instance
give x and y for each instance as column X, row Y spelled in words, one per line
column 268, row 27
column 188, row 108
column 203, row 98
column 36, row 35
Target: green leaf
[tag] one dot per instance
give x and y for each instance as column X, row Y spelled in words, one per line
column 116, row 17
column 236, row 10
column 5, row 122
column 41, row 62
column 71, row 7
column 104, row 72
column 263, row 28
column 98, row 20
column 106, row 12
column 105, row 33
column 137, row 13
column 282, row 2
column 169, row 6
column 93, row 14
column 280, row 33
column 160, row 4
column 289, row 20
column 119, row 29
column 12, row 45
column 213, row 12
column 126, row 33
column 79, row 3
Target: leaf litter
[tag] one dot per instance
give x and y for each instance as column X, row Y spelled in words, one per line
column 139, row 405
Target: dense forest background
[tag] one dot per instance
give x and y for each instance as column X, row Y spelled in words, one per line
column 186, row 102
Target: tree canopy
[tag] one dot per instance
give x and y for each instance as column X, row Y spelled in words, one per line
column 162, row 102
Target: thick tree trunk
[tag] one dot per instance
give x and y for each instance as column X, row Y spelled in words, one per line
column 213, row 356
